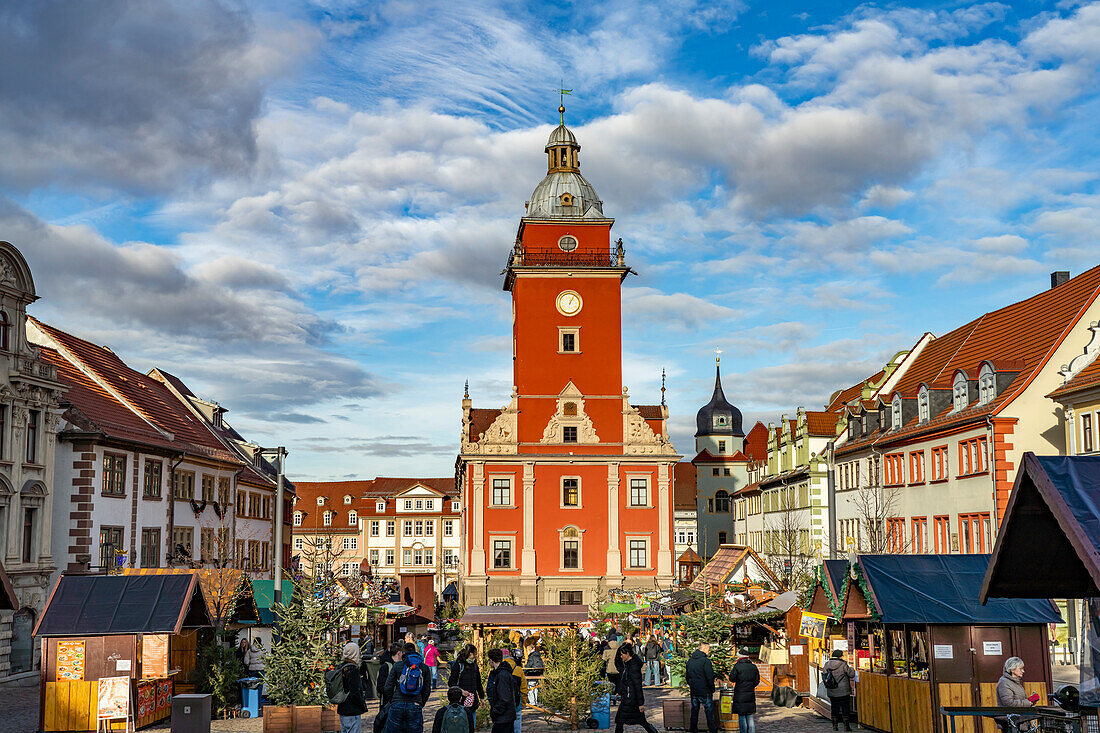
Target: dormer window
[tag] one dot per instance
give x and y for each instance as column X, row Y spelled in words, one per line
column 320, row 501
column 987, row 385
column 922, row 403
column 882, row 418
column 566, row 199
column 719, row 421
column 380, row 506
column 895, row 412
column 959, row 392
column 347, row 499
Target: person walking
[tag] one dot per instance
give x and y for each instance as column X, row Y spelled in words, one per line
column 354, row 705
column 466, row 675
column 521, row 686
column 451, row 718
column 431, row 660
column 745, row 678
column 386, row 661
column 254, row 658
column 837, row 676
column 699, row 674
column 408, row 690
column 631, row 693
column 652, row 655
column 609, row 654
column 502, row 692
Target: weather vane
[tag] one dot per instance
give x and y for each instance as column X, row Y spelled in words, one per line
column 562, row 91
column 717, row 355
column 662, row 385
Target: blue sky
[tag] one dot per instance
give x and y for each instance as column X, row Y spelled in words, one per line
column 301, row 207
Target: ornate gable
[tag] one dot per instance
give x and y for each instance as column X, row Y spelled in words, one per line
column 570, row 413
column 638, row 437
column 500, row 438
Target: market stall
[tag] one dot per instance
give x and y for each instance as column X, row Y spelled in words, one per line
column 928, row 641
column 107, row 627
column 1052, row 521
column 832, row 606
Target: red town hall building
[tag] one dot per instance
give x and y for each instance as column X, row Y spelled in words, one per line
column 567, row 488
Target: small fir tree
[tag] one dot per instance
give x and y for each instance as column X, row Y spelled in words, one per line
column 571, row 682
column 308, row 641
column 712, row 626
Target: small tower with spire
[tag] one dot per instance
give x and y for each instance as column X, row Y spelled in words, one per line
column 718, row 423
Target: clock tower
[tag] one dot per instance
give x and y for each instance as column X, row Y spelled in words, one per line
column 569, row 485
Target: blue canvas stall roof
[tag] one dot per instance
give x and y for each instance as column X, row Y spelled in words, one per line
column 263, row 591
column 943, row 589
column 1051, row 523
column 96, row 605
column 835, row 570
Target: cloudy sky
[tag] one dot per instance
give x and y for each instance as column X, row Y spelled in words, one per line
column 302, row 208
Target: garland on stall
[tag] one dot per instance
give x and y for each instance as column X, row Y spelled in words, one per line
column 861, row 580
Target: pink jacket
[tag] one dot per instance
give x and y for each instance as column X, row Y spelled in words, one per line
column 431, row 655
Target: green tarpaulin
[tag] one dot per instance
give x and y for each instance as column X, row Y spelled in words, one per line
column 264, row 593
column 619, row 608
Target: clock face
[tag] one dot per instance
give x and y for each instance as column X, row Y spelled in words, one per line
column 569, row 303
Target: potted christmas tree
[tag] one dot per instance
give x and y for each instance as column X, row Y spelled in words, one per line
column 571, row 682
column 306, row 645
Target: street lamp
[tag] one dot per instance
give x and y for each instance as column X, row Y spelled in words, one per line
column 280, row 464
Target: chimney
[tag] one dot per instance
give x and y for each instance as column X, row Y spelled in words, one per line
column 1059, row 277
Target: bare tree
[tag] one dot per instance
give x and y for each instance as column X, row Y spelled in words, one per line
column 875, row 505
column 787, row 541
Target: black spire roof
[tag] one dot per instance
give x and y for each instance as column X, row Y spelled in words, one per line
column 718, row 417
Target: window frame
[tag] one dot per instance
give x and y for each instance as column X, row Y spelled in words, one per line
column 505, row 544
column 916, row 467
column 505, row 485
column 566, row 333
column 113, row 473
column 639, row 484
column 632, row 563
column 565, row 492
column 960, row 393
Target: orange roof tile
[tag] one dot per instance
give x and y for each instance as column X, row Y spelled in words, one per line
column 821, row 423
column 844, row 396
column 480, row 420
column 756, row 442
column 649, row 412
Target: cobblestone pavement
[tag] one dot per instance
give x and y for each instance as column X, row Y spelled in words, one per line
column 20, row 715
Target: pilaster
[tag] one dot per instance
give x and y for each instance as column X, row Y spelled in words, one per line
column 527, row 560
column 477, row 507
column 664, row 508
column 614, row 554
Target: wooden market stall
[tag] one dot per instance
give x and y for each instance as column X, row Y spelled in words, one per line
column 928, row 641
column 765, row 610
column 110, row 626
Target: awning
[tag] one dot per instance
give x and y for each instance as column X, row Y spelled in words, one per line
column 619, row 608
column 82, row 605
column 263, row 591
column 942, row 589
column 524, row 616
column 1049, row 542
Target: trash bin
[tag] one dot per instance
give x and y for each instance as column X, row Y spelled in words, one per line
column 191, row 713
column 601, row 711
column 251, row 691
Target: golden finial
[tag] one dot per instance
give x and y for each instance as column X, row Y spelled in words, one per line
column 562, row 91
column 717, row 355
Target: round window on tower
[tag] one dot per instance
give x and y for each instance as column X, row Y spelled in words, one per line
column 568, row 243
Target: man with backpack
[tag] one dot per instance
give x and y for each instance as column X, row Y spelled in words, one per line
column 652, row 656
column 837, row 676
column 387, row 660
column 345, row 688
column 451, row 718
column 502, row 690
column 408, row 688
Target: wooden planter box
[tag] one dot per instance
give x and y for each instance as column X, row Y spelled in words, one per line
column 676, row 713
column 307, row 719
column 278, row 719
column 330, row 720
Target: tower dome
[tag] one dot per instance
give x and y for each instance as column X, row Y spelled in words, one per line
column 718, row 417
column 564, row 193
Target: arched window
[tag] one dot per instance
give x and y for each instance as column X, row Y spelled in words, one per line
column 922, row 403
column 571, row 548
column 960, row 397
column 987, row 384
column 353, row 518
column 721, row 501
column 297, row 519
column 895, row 413
column 5, row 331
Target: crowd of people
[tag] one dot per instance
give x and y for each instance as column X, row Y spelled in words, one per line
column 408, row 672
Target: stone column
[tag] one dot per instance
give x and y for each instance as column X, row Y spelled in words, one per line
column 527, row 561
column 614, row 554
column 477, row 506
column 664, row 508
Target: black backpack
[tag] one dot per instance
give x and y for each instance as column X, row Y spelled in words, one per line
column 829, row 680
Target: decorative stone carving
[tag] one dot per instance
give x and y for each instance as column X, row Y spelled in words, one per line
column 500, row 438
column 1079, row 362
column 7, row 272
column 639, row 438
column 570, row 413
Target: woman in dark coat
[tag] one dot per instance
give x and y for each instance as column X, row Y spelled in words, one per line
column 631, row 694
column 465, row 674
column 745, row 677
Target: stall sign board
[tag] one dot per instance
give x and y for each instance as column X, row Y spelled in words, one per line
column 797, row 650
column 70, row 660
column 992, row 648
column 123, row 665
column 812, row 625
column 114, row 698
column 841, row 644
column 154, row 655
column 943, row 651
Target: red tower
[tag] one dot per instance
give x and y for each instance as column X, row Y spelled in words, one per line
column 569, row 485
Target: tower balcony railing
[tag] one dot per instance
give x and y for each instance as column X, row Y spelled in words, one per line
column 555, row 257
